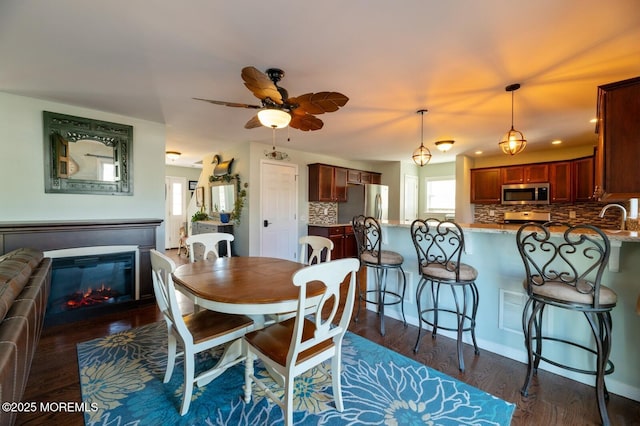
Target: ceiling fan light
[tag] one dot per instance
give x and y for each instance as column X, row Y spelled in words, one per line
column 444, row 146
column 274, row 118
column 173, row 155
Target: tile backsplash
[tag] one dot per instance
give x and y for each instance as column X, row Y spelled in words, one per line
column 584, row 213
column 317, row 214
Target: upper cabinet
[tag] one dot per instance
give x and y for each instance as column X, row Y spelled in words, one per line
column 329, row 183
column 618, row 129
column 560, row 182
column 528, row 173
column 583, row 183
column 485, row 186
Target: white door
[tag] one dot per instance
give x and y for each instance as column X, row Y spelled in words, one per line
column 175, row 189
column 279, row 207
column 410, row 197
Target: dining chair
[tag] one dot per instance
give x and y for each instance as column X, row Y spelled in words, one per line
column 210, row 242
column 439, row 246
column 318, row 245
column 296, row 345
column 565, row 272
column 369, row 239
column 196, row 332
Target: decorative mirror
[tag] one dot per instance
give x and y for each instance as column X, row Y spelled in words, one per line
column 86, row 156
column 223, row 196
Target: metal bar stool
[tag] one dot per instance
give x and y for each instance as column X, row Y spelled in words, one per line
column 565, row 272
column 439, row 246
column 369, row 241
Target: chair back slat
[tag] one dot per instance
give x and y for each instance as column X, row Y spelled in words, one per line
column 327, row 323
column 210, row 242
column 318, row 246
column 161, row 268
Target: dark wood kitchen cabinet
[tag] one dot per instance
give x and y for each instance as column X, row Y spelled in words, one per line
column 560, row 183
column 344, row 241
column 485, row 186
column 528, row 173
column 582, row 179
column 618, row 128
column 327, row 183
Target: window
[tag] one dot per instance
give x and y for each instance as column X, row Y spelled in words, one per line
column 440, row 194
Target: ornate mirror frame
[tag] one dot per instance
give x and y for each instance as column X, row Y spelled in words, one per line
column 61, row 129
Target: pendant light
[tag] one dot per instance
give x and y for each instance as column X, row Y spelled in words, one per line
column 422, row 155
column 513, row 142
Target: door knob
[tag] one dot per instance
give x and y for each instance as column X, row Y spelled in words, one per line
column 266, row 223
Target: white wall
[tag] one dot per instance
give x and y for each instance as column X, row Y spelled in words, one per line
column 22, row 168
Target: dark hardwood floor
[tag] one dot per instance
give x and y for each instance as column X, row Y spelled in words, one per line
column 553, row 400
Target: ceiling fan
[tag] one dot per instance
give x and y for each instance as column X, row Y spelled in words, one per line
column 301, row 109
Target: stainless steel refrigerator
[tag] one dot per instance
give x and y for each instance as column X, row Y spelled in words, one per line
column 376, row 201
column 369, row 200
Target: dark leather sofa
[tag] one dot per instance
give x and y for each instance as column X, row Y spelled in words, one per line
column 25, row 280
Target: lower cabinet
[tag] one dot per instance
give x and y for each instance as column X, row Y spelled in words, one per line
column 344, row 241
column 207, row 226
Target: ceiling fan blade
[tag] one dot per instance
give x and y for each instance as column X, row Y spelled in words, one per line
column 253, row 123
column 229, row 104
column 261, row 86
column 305, row 122
column 321, row 102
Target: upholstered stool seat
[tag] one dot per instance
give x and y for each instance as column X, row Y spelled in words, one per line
column 368, row 235
column 560, row 291
column 439, row 246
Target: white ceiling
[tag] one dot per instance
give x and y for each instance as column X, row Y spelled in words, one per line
column 148, row 59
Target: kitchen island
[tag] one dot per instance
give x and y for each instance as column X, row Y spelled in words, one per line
column 492, row 250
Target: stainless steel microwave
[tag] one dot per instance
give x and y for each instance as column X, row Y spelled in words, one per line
column 527, row 193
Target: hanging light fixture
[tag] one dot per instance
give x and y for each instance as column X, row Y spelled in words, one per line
column 274, row 118
column 444, row 146
column 513, row 142
column 173, row 155
column 422, row 155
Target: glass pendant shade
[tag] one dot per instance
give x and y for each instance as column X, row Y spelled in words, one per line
column 513, row 142
column 274, row 118
column 422, row 155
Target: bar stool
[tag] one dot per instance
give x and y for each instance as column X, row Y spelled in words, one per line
column 369, row 241
column 565, row 272
column 439, row 246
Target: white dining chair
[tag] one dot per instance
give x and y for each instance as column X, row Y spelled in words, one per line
column 291, row 347
column 210, row 242
column 196, row 332
column 318, row 244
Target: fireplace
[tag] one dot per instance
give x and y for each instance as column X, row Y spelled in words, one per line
column 90, row 280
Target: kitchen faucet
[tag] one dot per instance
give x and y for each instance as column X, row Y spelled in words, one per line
column 624, row 214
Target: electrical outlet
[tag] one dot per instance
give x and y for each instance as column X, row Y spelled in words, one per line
column 492, row 213
column 572, row 214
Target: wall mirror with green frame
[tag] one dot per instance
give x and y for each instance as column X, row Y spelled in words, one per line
column 87, row 156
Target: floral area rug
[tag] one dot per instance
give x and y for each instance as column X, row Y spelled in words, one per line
column 121, row 379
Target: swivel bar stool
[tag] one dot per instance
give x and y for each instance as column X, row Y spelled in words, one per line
column 369, row 241
column 439, row 246
column 564, row 271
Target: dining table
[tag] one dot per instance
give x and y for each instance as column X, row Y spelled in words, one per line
column 259, row 287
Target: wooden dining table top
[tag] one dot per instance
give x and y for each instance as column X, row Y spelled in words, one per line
column 251, row 285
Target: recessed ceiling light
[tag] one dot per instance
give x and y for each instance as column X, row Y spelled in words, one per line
column 556, row 142
column 478, row 152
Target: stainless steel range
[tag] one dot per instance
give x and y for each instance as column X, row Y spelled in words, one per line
column 523, row 217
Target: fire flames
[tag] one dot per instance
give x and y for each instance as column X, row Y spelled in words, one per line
column 91, row 297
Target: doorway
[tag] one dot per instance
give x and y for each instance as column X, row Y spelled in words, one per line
column 279, row 210
column 175, row 189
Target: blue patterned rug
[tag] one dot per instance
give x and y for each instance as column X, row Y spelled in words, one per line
column 122, row 375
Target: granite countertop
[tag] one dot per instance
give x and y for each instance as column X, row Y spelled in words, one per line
column 497, row 228
column 332, row 225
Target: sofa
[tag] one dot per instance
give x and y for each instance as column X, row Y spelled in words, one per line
column 25, row 281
